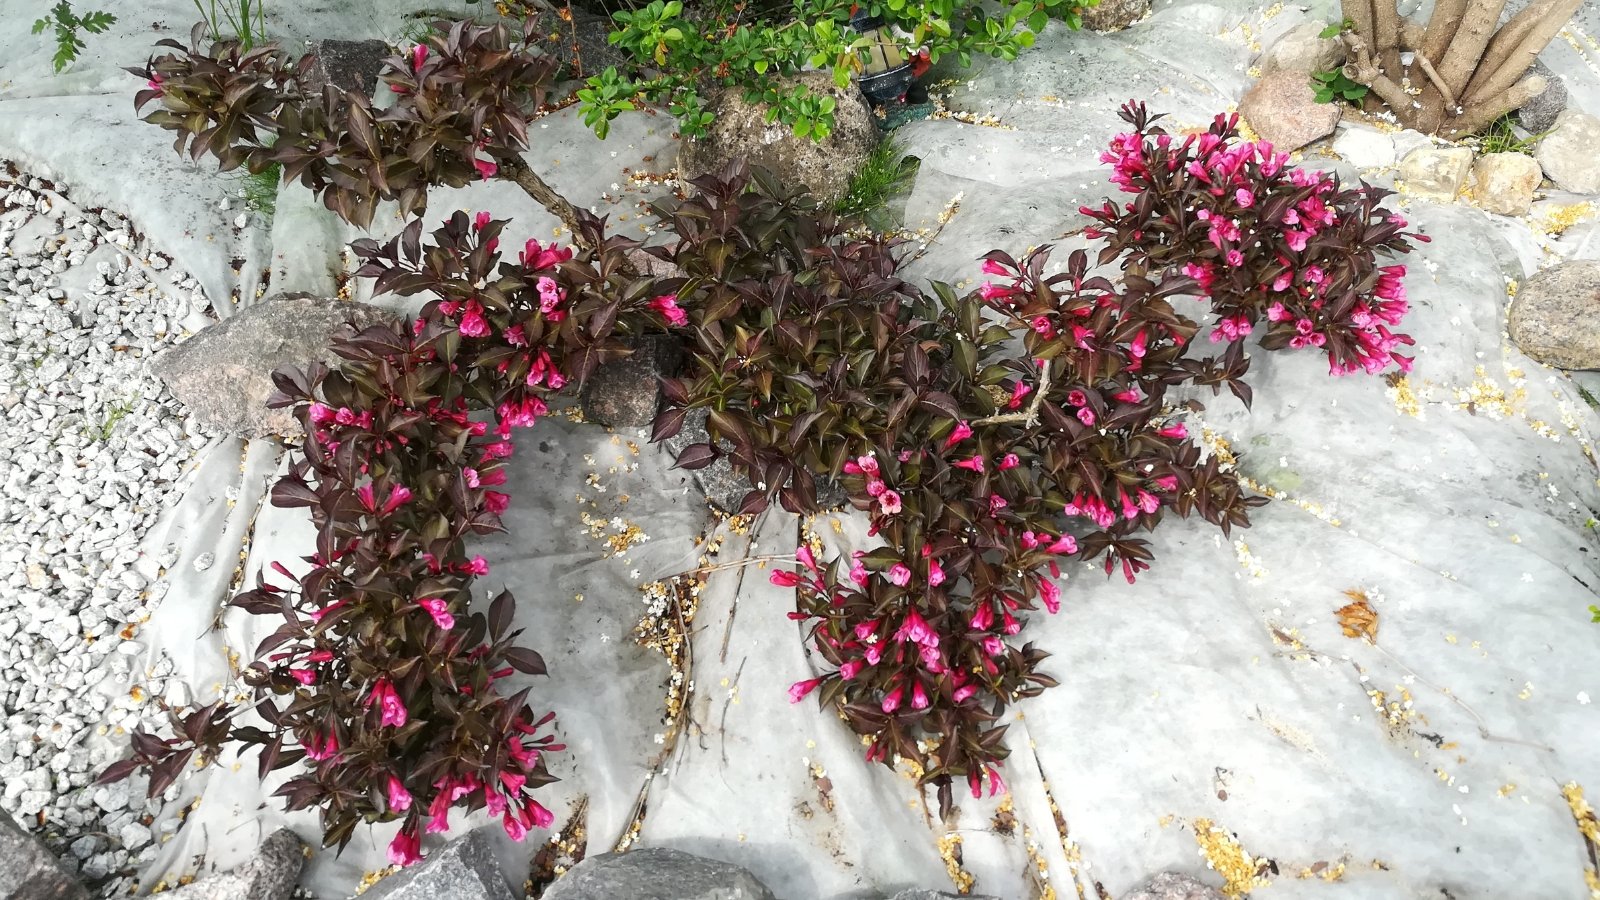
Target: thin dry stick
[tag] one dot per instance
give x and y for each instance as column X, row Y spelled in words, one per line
column 1438, row 83
column 1483, row 727
column 727, row 631
column 1030, row 417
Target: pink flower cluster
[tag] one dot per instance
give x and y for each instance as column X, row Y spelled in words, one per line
column 1276, row 243
column 506, row 797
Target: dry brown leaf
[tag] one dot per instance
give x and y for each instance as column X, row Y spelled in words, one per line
column 1358, row 618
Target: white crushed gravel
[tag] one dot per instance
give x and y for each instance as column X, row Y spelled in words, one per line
column 92, row 447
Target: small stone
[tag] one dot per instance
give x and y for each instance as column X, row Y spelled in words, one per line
column 134, row 836
column 1114, row 15
column 1539, row 114
column 1568, row 153
column 112, row 797
column 1504, row 183
column 741, row 131
column 204, row 561
column 1363, row 147
column 38, row 579
column 1283, row 109
column 1555, row 317
column 625, row 393
column 1303, row 49
column 1433, row 173
column 1174, row 886
column 656, row 872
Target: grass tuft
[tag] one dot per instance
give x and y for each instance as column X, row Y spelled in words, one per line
column 260, row 191
column 886, row 172
column 1501, row 137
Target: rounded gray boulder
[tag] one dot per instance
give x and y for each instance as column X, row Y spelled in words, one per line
column 657, row 874
column 1556, row 315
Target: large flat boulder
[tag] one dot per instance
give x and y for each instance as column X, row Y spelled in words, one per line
column 741, row 131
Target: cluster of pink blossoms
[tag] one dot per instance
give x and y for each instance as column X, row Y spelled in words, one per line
column 1233, row 185
column 910, row 646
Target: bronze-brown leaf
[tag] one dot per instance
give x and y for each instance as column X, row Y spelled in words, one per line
column 1358, row 618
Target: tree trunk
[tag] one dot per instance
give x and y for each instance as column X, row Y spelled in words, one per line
column 1466, row 72
column 1514, row 49
column 1466, row 48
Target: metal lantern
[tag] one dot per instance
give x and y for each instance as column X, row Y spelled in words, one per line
column 885, row 72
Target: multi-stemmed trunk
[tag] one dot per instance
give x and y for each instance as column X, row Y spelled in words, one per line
column 1463, row 72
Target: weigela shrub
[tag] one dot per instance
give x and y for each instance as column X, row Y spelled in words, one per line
column 465, row 95
column 992, row 440
column 380, row 680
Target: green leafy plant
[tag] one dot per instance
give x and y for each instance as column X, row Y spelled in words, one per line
column 67, row 25
column 242, row 20
column 1333, row 85
column 1335, row 29
column 260, row 189
column 886, row 171
column 721, row 44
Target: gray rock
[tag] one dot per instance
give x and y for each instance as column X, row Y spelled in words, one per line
column 741, row 130
column 1568, row 152
column 464, row 869
column 268, row 875
column 656, row 874
column 1174, row 886
column 346, row 65
column 724, row 487
column 1438, row 174
column 28, row 871
column 1115, row 15
column 1556, row 316
column 1283, row 109
column 1504, row 182
column 1302, row 49
column 625, row 393
column 1364, row 147
column 1539, row 114
column 925, row 894
column 579, row 48
column 224, row 373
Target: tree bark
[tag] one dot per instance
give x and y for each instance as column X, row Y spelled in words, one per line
column 1466, row 48
column 1518, row 44
column 1386, row 36
column 1442, row 26
column 1480, row 114
column 1359, row 12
